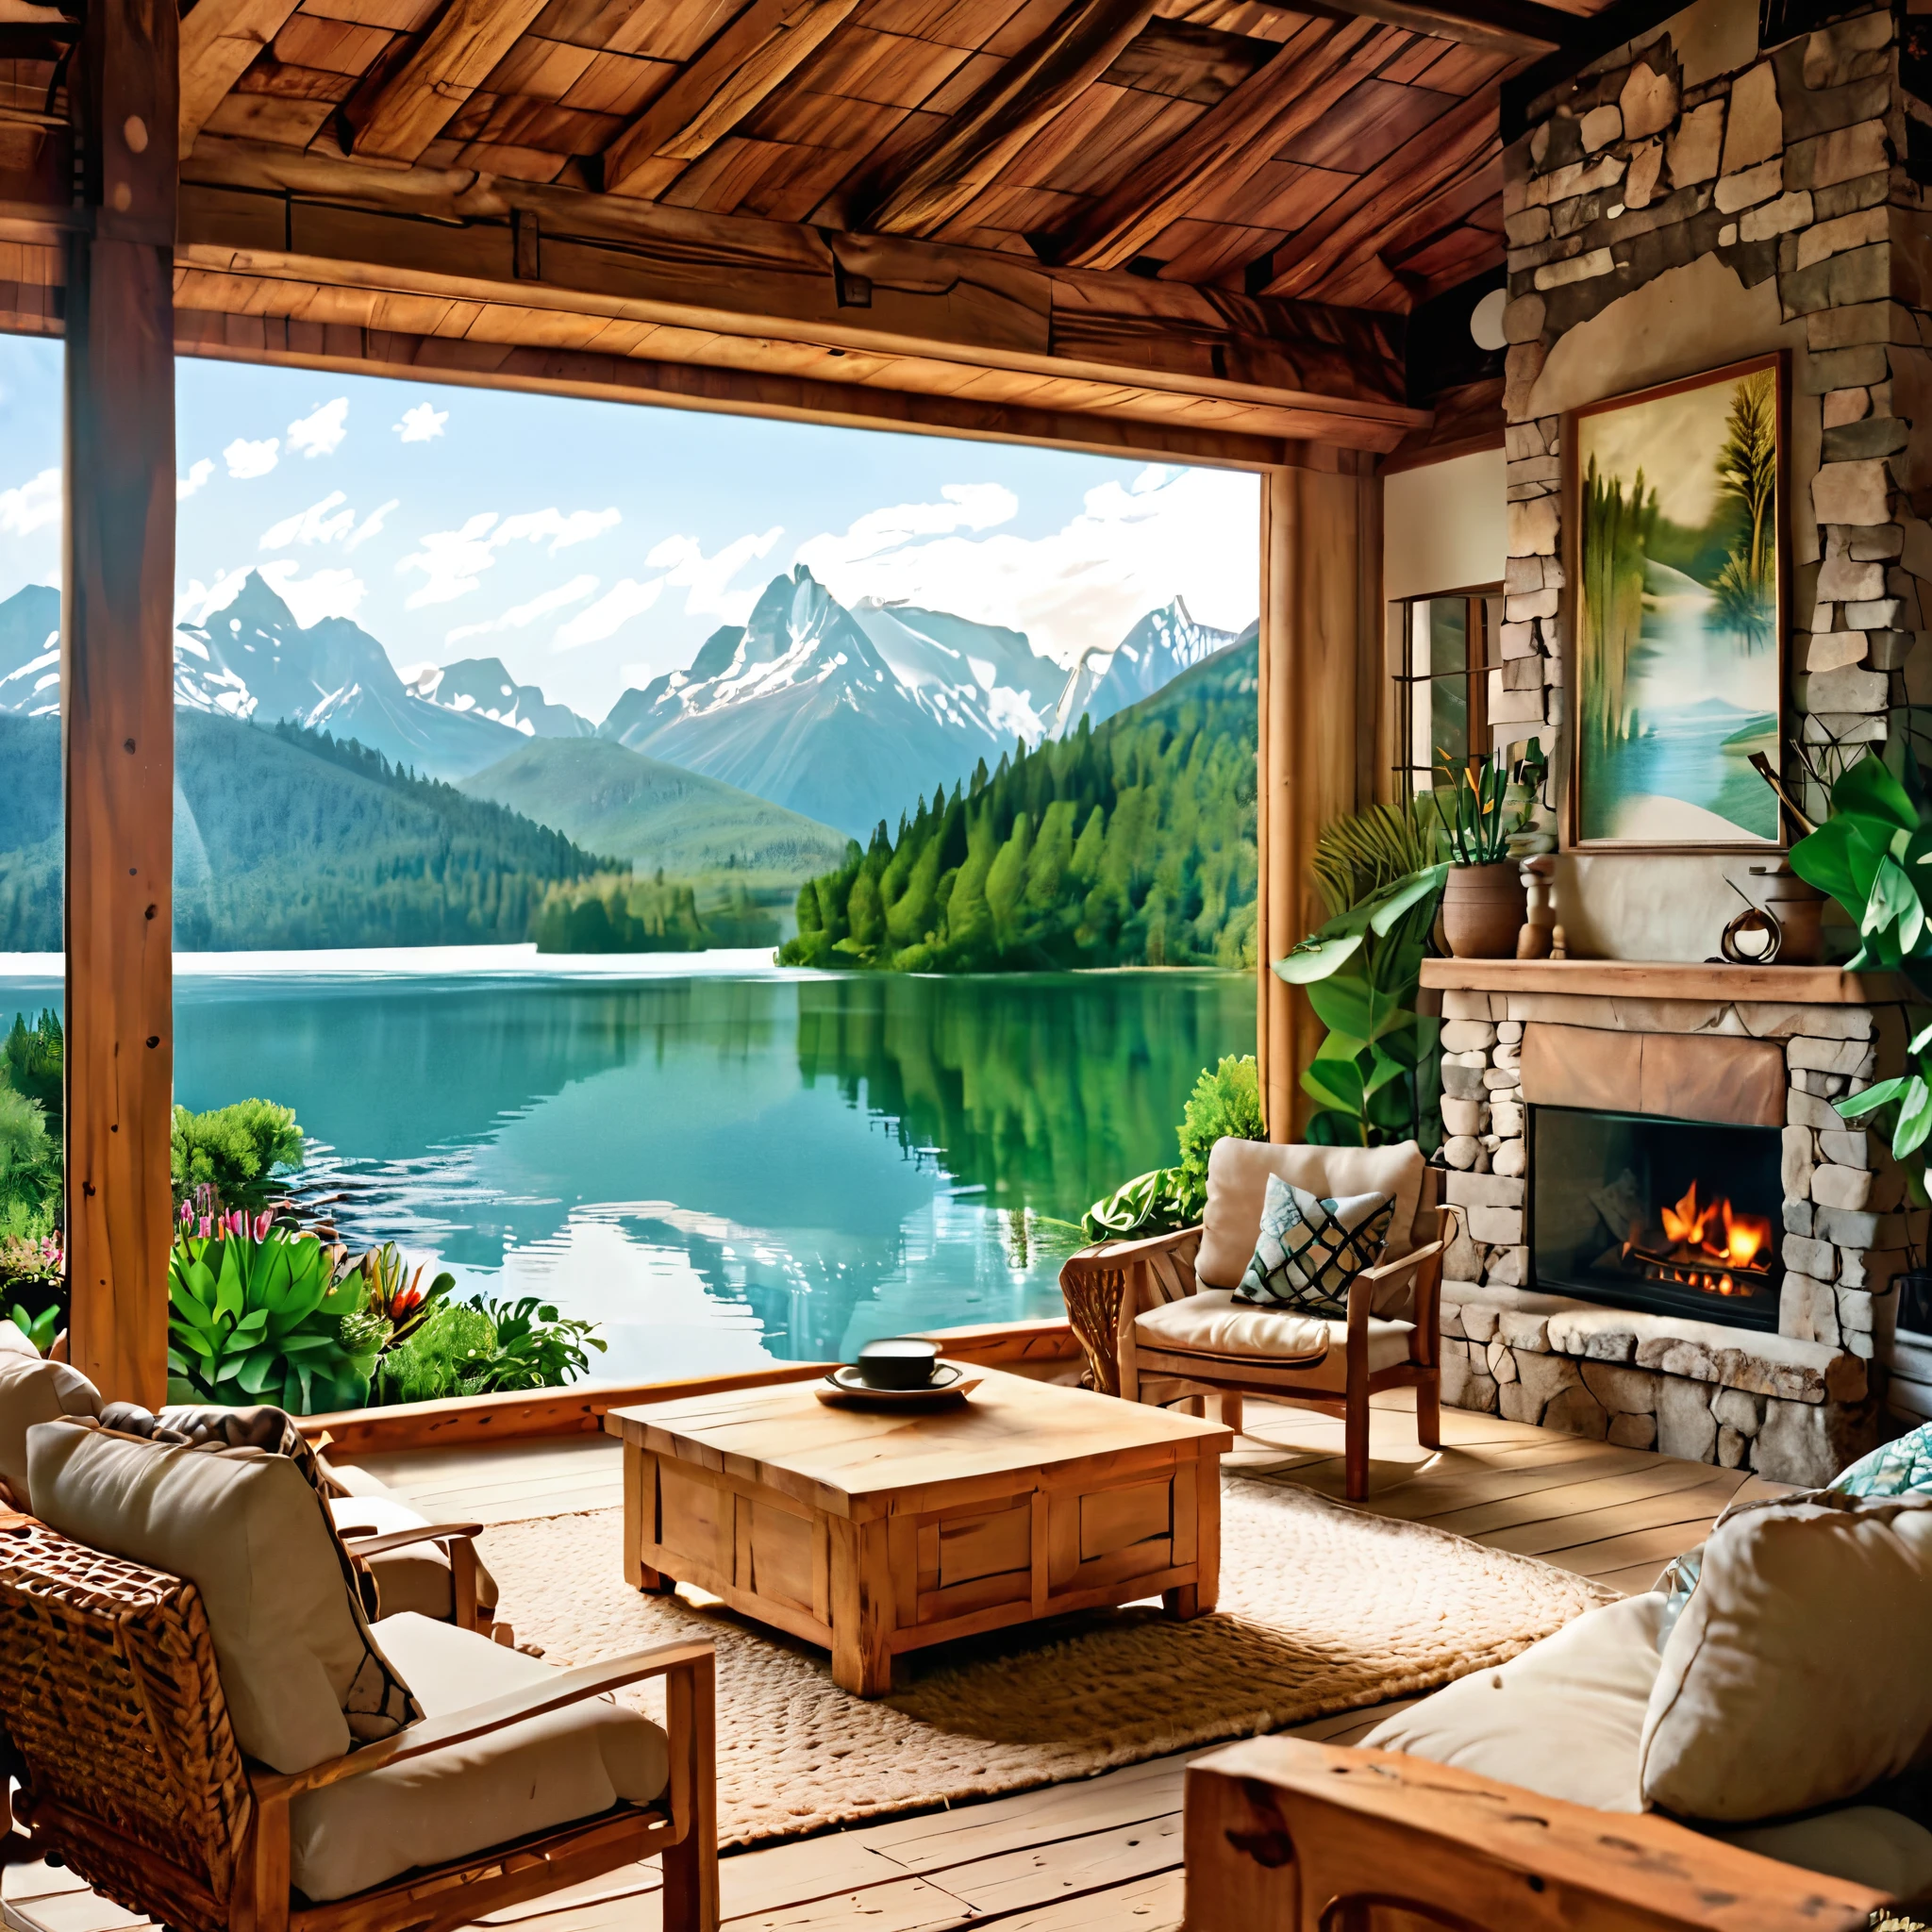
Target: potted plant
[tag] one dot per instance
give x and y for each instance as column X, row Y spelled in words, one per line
column 1486, row 804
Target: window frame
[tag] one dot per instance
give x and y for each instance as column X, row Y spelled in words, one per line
column 1483, row 655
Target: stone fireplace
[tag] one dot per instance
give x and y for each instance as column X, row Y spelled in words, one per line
column 1672, row 1239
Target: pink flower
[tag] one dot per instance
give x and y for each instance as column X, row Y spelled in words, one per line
column 263, row 1222
column 188, row 1214
column 207, row 1227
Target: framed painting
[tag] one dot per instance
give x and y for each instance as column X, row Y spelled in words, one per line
column 1679, row 566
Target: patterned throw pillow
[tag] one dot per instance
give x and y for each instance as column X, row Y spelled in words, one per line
column 1309, row 1250
column 1902, row 1468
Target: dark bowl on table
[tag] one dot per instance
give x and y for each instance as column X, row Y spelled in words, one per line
column 898, row 1362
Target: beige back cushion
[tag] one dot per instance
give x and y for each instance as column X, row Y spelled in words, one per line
column 1787, row 1682
column 299, row 1670
column 33, row 1390
column 1238, row 1175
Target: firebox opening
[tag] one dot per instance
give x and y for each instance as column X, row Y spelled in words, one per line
column 1675, row 1216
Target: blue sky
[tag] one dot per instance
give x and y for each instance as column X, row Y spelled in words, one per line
column 592, row 545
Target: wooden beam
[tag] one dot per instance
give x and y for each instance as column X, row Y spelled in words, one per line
column 1524, row 28
column 431, row 253
column 117, row 710
column 1422, row 166
column 963, row 156
column 219, row 41
column 1321, row 682
column 1229, row 144
column 751, row 56
column 399, row 112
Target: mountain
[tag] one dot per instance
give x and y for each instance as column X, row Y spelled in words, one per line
column 1164, row 643
column 286, row 837
column 1126, row 844
column 31, row 653
column 253, row 659
column 484, row 688
column 803, row 707
column 652, row 815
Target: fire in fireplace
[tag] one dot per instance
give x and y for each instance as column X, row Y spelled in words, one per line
column 1675, row 1217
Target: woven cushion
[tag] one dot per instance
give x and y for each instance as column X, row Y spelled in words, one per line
column 1770, row 1698
column 1238, row 1175
column 543, row 1773
column 1308, row 1250
column 33, row 1390
column 302, row 1675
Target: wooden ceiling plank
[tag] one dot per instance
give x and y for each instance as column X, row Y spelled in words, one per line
column 219, row 40
column 1417, row 171
column 402, row 111
column 1524, row 29
column 970, row 151
column 1229, row 144
column 755, row 54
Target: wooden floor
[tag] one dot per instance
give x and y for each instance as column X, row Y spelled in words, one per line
column 1105, row 1852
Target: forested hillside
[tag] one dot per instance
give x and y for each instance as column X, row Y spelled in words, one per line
column 287, row 838
column 1127, row 843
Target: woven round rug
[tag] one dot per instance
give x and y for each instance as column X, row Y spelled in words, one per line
column 1323, row 1608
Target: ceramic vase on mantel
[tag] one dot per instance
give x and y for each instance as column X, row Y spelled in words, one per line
column 1483, row 908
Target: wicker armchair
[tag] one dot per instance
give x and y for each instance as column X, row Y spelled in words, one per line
column 1108, row 1287
column 130, row 1775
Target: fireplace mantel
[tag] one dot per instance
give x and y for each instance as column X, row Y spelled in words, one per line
column 1665, row 980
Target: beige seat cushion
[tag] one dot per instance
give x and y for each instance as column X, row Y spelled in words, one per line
column 416, row 1578
column 1231, row 1335
column 1238, row 1175
column 1772, row 1697
column 545, row 1771
column 13, row 1340
column 1563, row 1719
column 300, row 1672
column 1865, row 1843
column 33, row 1390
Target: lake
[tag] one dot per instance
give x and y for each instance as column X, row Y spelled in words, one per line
column 721, row 1166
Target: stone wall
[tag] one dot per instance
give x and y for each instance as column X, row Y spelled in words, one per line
column 1789, row 172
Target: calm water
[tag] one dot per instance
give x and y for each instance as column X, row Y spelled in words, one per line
column 723, row 1169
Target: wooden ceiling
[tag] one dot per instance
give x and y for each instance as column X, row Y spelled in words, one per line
column 1217, row 203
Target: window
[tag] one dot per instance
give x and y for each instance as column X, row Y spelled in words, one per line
column 1442, row 648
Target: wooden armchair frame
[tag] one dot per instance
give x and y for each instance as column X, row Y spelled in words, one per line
column 130, row 1773
column 458, row 1541
column 1286, row 1836
column 1107, row 1285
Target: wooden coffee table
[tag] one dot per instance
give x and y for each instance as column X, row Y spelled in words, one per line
column 874, row 1534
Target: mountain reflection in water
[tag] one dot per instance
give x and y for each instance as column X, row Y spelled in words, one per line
column 725, row 1170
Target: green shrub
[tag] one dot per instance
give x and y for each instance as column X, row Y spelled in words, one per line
column 32, row 1060
column 485, row 1348
column 1226, row 1101
column 240, row 1151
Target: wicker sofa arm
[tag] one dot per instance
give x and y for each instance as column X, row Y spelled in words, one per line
column 498, row 1713
column 1286, row 1836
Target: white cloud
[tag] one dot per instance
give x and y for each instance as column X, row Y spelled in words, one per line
column 248, row 460
column 967, row 506
column 321, row 523
column 32, row 506
column 320, row 432
column 423, row 423
column 1078, row 589
column 623, row 600
column 196, row 602
column 370, row 526
column 520, row 614
column 453, row 562
column 708, row 579
column 198, row 473
column 326, row 593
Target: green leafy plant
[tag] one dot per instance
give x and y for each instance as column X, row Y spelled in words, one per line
column 396, row 1296
column 1873, row 856
column 39, row 1329
column 484, row 1347
column 258, row 1315
column 1487, row 802
column 240, row 1151
column 32, row 1061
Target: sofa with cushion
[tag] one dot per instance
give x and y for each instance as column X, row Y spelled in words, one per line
column 1236, row 1307
column 210, row 1730
column 1769, row 1696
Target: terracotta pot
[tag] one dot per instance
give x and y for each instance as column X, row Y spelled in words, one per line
column 1483, row 909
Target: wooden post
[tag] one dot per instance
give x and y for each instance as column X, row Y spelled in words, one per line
column 1320, row 694
column 117, row 695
